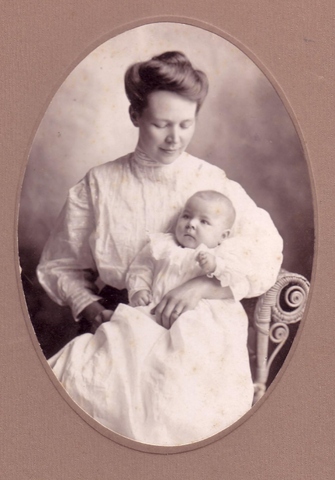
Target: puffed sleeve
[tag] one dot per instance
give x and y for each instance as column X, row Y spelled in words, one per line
column 232, row 277
column 254, row 249
column 140, row 272
column 67, row 270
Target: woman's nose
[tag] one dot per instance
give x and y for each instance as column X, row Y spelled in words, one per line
column 173, row 135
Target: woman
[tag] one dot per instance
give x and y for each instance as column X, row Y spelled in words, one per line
column 108, row 214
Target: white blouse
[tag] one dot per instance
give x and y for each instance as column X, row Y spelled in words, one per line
column 110, row 212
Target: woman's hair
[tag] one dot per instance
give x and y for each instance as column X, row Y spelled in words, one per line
column 171, row 71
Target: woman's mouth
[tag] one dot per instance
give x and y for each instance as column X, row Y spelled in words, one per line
column 169, row 150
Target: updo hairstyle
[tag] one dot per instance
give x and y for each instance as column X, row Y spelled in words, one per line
column 170, row 71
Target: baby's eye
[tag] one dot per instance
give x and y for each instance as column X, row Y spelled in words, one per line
column 185, row 216
column 204, row 222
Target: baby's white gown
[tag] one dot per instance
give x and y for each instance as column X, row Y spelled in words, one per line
column 159, row 386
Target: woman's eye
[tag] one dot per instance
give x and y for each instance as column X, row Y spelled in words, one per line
column 187, row 124
column 160, row 125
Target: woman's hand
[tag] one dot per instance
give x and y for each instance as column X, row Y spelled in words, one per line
column 96, row 314
column 101, row 318
column 174, row 303
column 186, row 297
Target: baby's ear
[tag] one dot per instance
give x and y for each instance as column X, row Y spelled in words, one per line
column 226, row 234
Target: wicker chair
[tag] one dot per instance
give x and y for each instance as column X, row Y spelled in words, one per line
column 275, row 313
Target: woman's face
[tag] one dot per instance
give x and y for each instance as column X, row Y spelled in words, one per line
column 166, row 125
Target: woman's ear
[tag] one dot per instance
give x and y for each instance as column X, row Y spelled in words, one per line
column 133, row 116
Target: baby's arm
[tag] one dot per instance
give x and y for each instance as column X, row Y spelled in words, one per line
column 139, row 278
column 207, row 262
column 213, row 265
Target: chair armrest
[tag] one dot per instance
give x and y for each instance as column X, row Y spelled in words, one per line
column 280, row 306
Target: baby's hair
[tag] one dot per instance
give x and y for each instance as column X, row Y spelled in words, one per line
column 170, row 71
column 214, row 196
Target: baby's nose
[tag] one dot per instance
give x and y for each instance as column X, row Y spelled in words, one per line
column 191, row 223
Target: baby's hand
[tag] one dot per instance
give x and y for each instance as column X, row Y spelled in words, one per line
column 141, row 298
column 207, row 262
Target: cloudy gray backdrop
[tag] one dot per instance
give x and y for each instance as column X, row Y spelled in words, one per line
column 243, row 127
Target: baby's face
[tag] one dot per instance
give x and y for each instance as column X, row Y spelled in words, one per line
column 201, row 221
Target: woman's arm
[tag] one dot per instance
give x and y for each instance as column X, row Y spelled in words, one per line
column 254, row 250
column 254, row 239
column 186, row 297
column 67, row 270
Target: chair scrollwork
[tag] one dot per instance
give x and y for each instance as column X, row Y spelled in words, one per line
column 282, row 305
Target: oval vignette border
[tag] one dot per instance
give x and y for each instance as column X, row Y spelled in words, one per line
column 117, row 438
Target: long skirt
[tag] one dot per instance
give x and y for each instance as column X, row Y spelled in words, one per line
column 159, row 386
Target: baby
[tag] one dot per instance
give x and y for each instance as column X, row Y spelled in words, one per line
column 207, row 219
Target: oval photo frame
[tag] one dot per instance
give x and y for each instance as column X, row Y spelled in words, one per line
column 243, row 128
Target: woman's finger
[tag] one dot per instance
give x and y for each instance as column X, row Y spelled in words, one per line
column 106, row 315
column 166, row 313
column 158, row 309
column 163, row 310
column 101, row 318
column 94, row 326
column 171, row 312
column 176, row 312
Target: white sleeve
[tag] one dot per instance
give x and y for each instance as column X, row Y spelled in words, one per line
column 232, row 277
column 67, row 270
column 254, row 250
column 254, row 241
column 140, row 272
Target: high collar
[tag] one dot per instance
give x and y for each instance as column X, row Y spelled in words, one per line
column 146, row 168
column 143, row 160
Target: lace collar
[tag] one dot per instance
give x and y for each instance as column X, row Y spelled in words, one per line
column 145, row 167
column 142, row 159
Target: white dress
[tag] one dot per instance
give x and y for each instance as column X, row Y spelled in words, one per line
column 158, row 386
column 102, row 227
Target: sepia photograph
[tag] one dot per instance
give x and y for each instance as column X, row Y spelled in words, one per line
column 166, row 234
